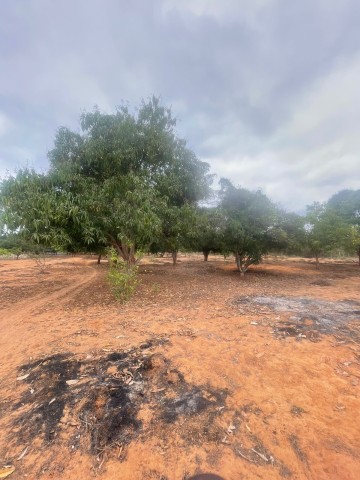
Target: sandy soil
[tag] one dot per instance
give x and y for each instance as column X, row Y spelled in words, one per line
column 203, row 371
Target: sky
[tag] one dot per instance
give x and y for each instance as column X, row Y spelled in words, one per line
column 266, row 91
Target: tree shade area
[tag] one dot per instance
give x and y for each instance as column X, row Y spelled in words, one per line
column 127, row 181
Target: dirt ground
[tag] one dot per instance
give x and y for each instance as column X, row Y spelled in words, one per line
column 254, row 377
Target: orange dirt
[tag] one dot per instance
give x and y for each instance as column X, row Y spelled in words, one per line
column 192, row 375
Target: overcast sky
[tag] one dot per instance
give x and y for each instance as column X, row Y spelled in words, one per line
column 266, row 91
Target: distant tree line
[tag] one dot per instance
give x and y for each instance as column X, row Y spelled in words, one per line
column 128, row 182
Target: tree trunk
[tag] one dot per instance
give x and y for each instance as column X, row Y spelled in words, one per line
column 238, row 263
column 242, row 264
column 125, row 252
column 358, row 252
column 99, row 259
column 206, row 256
column 174, row 257
column 317, row 263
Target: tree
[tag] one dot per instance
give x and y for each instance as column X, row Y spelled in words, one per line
column 247, row 221
column 108, row 185
column 352, row 241
column 208, row 232
column 325, row 230
column 288, row 233
column 178, row 225
column 16, row 244
column 346, row 204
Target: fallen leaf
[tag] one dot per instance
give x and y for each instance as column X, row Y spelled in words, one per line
column 22, row 378
column 72, row 382
column 260, row 455
column 22, row 455
column 6, row 471
column 157, row 390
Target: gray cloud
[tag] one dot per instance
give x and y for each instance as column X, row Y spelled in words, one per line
column 266, row 90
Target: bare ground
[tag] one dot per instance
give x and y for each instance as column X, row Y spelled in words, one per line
column 250, row 378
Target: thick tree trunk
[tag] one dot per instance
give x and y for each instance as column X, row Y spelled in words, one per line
column 125, row 252
column 358, row 252
column 174, row 257
column 99, row 259
column 206, row 256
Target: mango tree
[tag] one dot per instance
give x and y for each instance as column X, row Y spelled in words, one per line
column 108, row 185
column 326, row 231
column 247, row 220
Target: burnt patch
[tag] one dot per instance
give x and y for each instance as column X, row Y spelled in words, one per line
column 47, row 396
column 306, row 317
column 117, row 356
column 190, row 403
column 95, row 403
column 111, row 414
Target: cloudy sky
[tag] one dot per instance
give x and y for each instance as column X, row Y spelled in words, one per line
column 266, row 91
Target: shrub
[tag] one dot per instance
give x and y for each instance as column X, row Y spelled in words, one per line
column 122, row 277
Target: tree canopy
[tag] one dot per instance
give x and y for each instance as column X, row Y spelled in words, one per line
column 109, row 184
column 248, row 218
column 346, row 204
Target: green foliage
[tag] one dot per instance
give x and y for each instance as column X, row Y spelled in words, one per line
column 178, row 226
column 37, row 207
column 207, row 236
column 288, row 234
column 248, row 218
column 5, row 252
column 122, row 276
column 346, row 204
column 16, row 245
column 353, row 240
column 115, row 183
column 326, row 231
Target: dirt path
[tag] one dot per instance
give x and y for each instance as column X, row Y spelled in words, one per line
column 18, row 317
column 202, row 371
